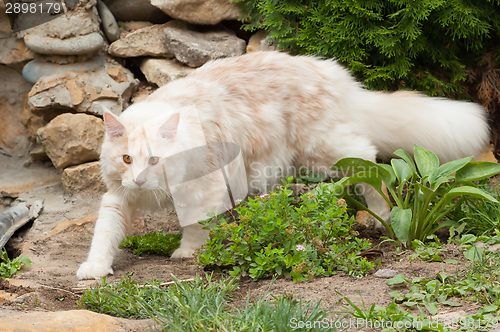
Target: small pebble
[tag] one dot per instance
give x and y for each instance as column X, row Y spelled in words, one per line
column 385, row 273
column 494, row 247
column 479, row 245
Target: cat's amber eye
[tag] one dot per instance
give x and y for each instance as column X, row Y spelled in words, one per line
column 127, row 159
column 154, row 160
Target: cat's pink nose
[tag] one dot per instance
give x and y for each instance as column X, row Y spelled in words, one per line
column 139, row 182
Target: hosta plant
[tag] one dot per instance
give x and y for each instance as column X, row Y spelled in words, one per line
column 423, row 191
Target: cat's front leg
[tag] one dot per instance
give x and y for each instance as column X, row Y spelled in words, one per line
column 114, row 216
column 193, row 237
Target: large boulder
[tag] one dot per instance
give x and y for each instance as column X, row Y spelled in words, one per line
column 84, row 177
column 162, row 71
column 72, row 139
column 110, row 86
column 196, row 48
column 148, row 41
column 199, row 11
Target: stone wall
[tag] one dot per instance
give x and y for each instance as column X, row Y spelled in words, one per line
column 56, row 76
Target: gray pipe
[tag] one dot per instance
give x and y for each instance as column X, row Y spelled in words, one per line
column 11, row 220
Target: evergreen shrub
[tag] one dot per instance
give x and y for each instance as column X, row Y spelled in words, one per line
column 439, row 47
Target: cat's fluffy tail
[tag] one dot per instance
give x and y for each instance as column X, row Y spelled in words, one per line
column 451, row 129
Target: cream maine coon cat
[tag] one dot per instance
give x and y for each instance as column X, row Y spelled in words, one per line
column 283, row 112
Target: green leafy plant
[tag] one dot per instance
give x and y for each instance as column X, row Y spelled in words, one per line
column 477, row 283
column 277, row 237
column 396, row 318
column 423, row 191
column 426, row 292
column 427, row 252
column 8, row 268
column 153, row 243
column 129, row 299
column 390, row 317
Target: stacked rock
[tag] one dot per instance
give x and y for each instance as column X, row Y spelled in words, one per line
column 68, row 42
column 13, row 88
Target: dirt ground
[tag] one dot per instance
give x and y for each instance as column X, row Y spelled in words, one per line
column 59, row 239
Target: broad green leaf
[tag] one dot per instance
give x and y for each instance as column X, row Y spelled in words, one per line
column 400, row 223
column 477, row 170
column 451, row 303
column 427, row 161
column 468, row 191
column 24, row 260
column 391, row 172
column 406, row 157
column 401, row 169
column 410, row 303
column 435, row 258
column 488, row 308
column 396, row 280
column 358, row 165
column 442, row 276
column 475, row 254
column 444, row 172
column 397, row 296
column 323, row 188
column 424, row 189
column 371, row 178
column 468, row 238
column 354, row 165
column 451, row 261
column 415, row 296
column 431, row 307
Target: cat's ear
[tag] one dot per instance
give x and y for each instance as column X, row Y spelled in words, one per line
column 114, row 128
column 168, row 129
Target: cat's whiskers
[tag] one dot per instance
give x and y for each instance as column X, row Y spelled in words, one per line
column 165, row 192
column 156, row 196
column 121, row 191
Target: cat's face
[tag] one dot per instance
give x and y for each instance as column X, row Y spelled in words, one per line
column 136, row 155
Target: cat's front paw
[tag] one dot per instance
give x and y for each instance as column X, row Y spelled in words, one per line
column 93, row 270
column 183, row 252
